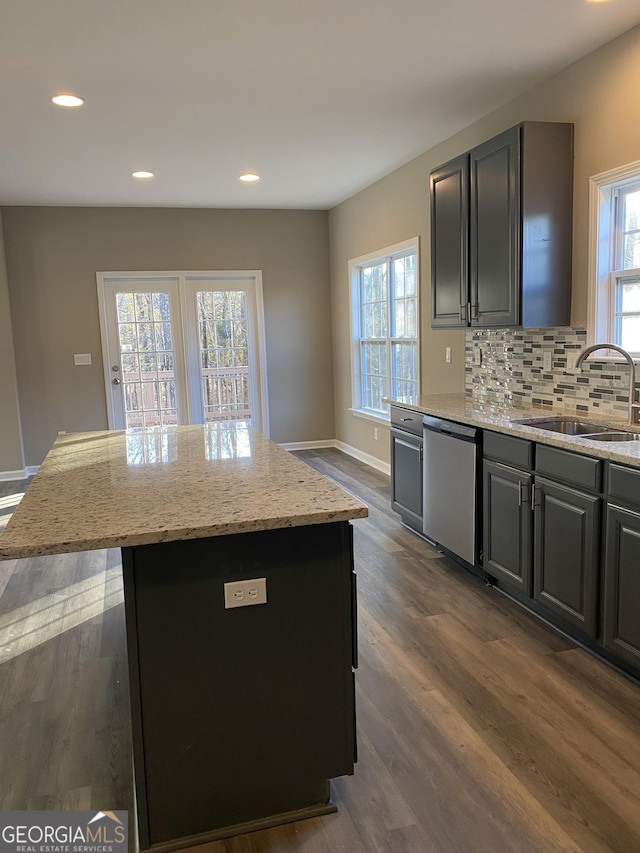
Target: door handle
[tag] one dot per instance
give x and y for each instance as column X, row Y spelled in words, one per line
column 115, row 381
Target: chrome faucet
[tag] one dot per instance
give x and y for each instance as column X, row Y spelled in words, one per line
column 634, row 407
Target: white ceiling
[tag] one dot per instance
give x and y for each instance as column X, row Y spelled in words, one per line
column 320, row 98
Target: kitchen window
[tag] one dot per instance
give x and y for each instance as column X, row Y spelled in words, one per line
column 384, row 323
column 615, row 258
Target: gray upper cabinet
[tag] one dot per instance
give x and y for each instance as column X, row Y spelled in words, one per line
column 450, row 243
column 501, row 228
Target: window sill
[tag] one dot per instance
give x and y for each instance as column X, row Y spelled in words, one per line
column 379, row 420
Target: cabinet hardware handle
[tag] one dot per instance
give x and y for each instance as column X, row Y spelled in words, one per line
column 535, row 500
column 523, row 494
column 407, row 419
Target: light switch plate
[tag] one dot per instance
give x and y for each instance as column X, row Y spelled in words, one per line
column 244, row 593
column 82, row 358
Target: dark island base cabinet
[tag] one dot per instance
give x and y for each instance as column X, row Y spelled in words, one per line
column 621, row 633
column 240, row 716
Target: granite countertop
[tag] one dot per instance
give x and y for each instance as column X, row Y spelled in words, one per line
column 120, row 488
column 461, row 408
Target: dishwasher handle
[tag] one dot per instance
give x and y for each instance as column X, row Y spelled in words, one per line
column 455, row 430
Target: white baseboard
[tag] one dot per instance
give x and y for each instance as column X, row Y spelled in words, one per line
column 367, row 458
column 378, row 464
column 13, row 475
column 308, row 445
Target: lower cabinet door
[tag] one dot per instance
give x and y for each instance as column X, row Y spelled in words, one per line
column 621, row 633
column 566, row 549
column 507, row 525
column 406, row 477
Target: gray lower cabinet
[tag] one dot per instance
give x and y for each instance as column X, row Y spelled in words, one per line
column 566, row 553
column 542, row 536
column 406, row 466
column 507, row 525
column 621, row 631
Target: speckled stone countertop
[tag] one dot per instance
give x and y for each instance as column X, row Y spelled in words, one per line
column 461, row 408
column 120, row 488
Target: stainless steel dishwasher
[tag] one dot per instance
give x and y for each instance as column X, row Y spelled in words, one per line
column 450, row 512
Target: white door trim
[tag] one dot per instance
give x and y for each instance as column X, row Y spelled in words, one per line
column 103, row 278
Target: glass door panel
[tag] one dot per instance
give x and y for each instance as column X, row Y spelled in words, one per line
column 223, row 349
column 144, row 353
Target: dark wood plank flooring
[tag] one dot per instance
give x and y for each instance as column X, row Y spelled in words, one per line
column 480, row 728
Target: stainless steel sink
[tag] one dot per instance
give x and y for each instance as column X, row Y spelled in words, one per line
column 583, row 429
column 566, row 426
column 614, row 436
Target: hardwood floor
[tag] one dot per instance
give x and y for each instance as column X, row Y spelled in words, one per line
column 480, row 728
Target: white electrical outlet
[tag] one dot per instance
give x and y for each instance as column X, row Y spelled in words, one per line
column 477, row 355
column 244, row 593
column 547, row 358
column 375, row 433
column 447, row 355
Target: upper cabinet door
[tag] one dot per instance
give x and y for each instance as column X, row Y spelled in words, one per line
column 494, row 273
column 450, row 243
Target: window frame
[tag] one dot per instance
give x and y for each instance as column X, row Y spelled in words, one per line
column 388, row 254
column 605, row 248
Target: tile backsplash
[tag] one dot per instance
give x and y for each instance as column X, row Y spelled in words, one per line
column 535, row 367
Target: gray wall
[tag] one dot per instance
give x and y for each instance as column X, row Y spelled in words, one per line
column 600, row 94
column 11, row 457
column 53, row 254
column 52, row 257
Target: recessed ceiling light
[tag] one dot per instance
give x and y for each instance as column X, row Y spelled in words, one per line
column 141, row 174
column 249, row 178
column 67, row 100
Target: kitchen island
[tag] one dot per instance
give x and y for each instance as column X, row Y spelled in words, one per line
column 242, row 708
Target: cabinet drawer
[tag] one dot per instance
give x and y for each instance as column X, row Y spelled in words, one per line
column 624, row 485
column 406, row 419
column 572, row 468
column 507, row 448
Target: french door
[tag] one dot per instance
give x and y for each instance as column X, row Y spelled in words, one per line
column 183, row 348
